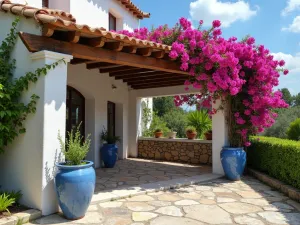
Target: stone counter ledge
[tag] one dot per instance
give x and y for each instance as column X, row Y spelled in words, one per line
column 176, row 150
column 175, row 140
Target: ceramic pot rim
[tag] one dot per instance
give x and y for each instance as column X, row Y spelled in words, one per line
column 62, row 165
column 233, row 148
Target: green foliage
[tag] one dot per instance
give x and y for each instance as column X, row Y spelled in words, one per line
column 285, row 117
column 200, row 120
column 146, row 117
column 191, row 129
column 158, row 130
column 163, row 105
column 176, row 121
column 75, row 148
column 16, row 195
column 109, row 139
column 277, row 157
column 5, row 202
column 286, row 95
column 12, row 112
column 157, row 123
column 293, row 132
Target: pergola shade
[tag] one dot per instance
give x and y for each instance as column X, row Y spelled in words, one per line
column 121, row 56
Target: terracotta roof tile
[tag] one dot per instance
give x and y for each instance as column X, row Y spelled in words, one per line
column 134, row 9
column 66, row 22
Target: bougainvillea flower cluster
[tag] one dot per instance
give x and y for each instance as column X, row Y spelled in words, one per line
column 238, row 73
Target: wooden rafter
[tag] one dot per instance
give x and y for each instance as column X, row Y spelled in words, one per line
column 137, row 71
column 99, row 65
column 73, row 36
column 35, row 43
column 144, row 51
column 158, row 54
column 154, row 77
column 76, row 61
column 157, row 85
column 118, row 69
column 115, row 46
column 154, row 81
column 130, row 49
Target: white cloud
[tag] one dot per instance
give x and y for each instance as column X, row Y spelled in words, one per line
column 292, row 63
column 294, row 26
column 227, row 12
column 291, row 6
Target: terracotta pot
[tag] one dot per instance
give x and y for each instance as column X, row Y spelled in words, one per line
column 191, row 135
column 158, row 134
column 208, row 135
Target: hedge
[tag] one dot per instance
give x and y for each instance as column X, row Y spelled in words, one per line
column 280, row 158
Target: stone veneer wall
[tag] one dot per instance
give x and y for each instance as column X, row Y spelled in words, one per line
column 193, row 152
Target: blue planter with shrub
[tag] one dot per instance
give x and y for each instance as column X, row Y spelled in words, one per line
column 233, row 162
column 75, row 179
column 109, row 155
column 109, row 150
column 75, row 187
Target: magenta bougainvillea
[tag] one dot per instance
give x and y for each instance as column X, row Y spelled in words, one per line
column 241, row 74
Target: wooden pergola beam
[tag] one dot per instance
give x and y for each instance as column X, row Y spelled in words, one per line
column 98, row 65
column 154, row 77
column 117, row 69
column 76, row 61
column 140, row 75
column 35, row 43
column 73, row 36
column 131, row 72
column 154, row 81
column 156, row 85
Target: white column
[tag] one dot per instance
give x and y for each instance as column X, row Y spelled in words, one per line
column 220, row 138
column 134, row 123
column 54, row 120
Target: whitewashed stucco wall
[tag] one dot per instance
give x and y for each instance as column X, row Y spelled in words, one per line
column 21, row 165
column 97, row 90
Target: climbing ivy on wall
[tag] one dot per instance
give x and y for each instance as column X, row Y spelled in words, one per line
column 13, row 113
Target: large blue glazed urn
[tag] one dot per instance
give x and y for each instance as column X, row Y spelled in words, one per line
column 75, row 187
column 109, row 155
column 233, row 162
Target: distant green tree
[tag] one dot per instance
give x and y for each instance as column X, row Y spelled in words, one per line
column 176, row 121
column 297, row 100
column 286, row 95
column 156, row 123
column 163, row 105
column 293, row 132
column 285, row 117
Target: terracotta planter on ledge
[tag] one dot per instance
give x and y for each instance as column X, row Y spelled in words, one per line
column 208, row 135
column 191, row 135
column 158, row 134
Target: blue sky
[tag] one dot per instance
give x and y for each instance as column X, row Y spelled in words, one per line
column 274, row 23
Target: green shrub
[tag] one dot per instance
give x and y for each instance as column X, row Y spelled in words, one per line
column 176, row 121
column 156, row 123
column 200, row 120
column 277, row 157
column 293, row 132
column 75, row 148
column 5, row 202
column 16, row 195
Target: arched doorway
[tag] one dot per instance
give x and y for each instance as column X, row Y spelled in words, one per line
column 75, row 110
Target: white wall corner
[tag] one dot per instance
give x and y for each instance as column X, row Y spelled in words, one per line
column 50, row 55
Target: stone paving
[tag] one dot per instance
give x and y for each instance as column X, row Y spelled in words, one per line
column 246, row 202
column 132, row 172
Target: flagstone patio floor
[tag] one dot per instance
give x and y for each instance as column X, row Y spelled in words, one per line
column 132, row 172
column 218, row 201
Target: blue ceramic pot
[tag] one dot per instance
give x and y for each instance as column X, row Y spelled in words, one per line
column 233, row 162
column 75, row 187
column 109, row 155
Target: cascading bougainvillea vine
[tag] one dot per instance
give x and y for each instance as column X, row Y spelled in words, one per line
column 241, row 75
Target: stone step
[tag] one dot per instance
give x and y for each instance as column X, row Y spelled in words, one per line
column 121, row 193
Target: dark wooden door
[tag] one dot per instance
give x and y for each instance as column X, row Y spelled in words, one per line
column 75, row 114
column 111, row 118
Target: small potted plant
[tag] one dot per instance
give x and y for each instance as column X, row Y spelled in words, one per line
column 158, row 133
column 191, row 132
column 109, row 149
column 208, row 135
column 75, row 178
column 172, row 134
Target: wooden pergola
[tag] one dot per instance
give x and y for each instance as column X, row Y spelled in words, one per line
column 141, row 64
